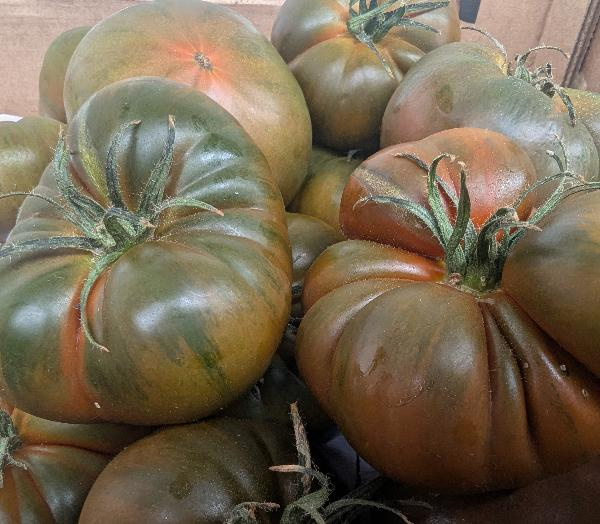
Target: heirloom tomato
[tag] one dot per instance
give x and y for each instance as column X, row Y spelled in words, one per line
column 467, row 85
column 49, row 467
column 157, row 286
column 54, row 68
column 466, row 358
column 348, row 57
column 26, row 148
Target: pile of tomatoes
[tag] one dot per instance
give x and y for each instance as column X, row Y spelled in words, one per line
column 393, row 229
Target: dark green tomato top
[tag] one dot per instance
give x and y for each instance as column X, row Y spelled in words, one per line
column 191, row 315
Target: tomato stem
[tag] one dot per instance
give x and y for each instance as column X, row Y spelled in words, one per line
column 312, row 504
column 373, row 21
column 9, row 442
column 475, row 260
column 107, row 232
column 542, row 78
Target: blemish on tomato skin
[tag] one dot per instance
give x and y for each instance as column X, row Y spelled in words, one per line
column 444, row 99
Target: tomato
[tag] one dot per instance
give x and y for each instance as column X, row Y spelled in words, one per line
column 321, row 194
column 466, row 85
column 309, row 236
column 195, row 473
column 189, row 304
column 214, row 50
column 62, row 461
column 54, row 68
column 452, row 375
column 587, row 108
column 497, row 172
column 346, row 85
column 26, row 148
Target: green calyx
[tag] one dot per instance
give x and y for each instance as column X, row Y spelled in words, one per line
column 475, row 259
column 542, row 78
column 313, row 505
column 108, row 232
column 374, row 19
column 9, row 442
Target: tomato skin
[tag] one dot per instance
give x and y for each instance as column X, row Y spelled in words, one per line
column 195, row 473
column 321, row 194
column 26, row 148
column 569, row 498
column 445, row 388
column 546, row 272
column 344, row 82
column 587, row 109
column 497, row 170
column 63, row 461
column 54, row 68
column 462, row 85
column 217, row 52
column 309, row 237
column 191, row 317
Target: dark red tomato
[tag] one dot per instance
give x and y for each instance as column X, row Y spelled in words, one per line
column 195, row 473
column 62, row 461
column 217, row 52
column 442, row 382
column 345, row 83
column 190, row 304
column 498, row 171
column 321, row 194
column 568, row 498
column 54, row 68
column 26, row 148
column 466, row 85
